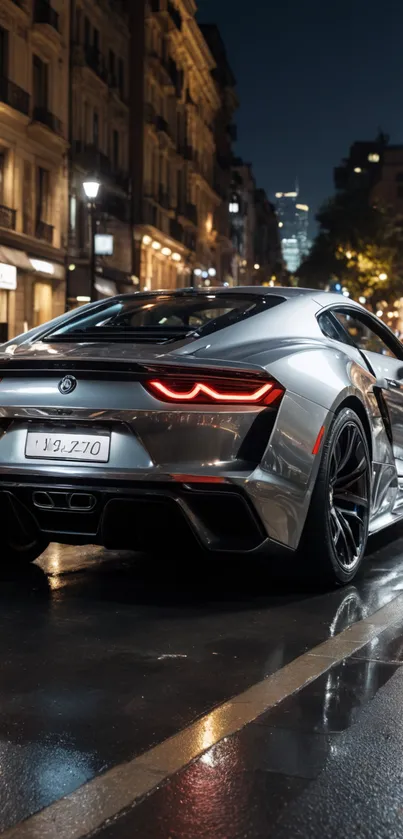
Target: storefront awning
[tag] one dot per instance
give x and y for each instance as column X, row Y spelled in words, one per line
column 21, row 260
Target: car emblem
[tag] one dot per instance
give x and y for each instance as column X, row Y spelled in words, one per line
column 67, row 385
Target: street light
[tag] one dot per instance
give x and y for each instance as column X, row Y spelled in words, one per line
column 91, row 189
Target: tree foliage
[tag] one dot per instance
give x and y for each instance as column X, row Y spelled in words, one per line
column 359, row 246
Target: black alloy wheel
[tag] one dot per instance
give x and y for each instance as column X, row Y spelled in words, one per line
column 336, row 529
column 349, row 489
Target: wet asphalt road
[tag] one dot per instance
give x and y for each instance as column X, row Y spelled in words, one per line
column 105, row 655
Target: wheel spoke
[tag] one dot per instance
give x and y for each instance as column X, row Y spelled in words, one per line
column 349, row 449
column 350, row 498
column 352, row 514
column 351, row 477
column 347, row 536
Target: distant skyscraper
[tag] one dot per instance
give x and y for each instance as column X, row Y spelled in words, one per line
column 293, row 220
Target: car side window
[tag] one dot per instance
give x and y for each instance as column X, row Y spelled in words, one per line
column 330, row 327
column 362, row 335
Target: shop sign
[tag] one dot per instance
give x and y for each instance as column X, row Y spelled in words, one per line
column 8, row 276
column 103, row 244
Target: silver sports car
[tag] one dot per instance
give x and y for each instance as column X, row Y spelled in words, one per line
column 242, row 420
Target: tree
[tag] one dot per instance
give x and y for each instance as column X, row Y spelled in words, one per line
column 359, row 246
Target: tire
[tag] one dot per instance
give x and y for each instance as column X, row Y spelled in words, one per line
column 19, row 557
column 336, row 529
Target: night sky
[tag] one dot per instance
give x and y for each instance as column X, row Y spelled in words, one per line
column 313, row 76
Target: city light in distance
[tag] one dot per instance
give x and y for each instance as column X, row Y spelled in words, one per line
column 147, row 240
column 166, row 251
column 303, row 207
column 198, row 272
column 374, row 157
column 156, row 246
column 383, row 276
column 362, row 300
column 379, row 313
column 82, row 298
column 280, row 224
column 346, row 293
column 72, row 267
column 176, row 257
column 349, row 254
column 256, row 266
column 212, row 272
column 358, row 170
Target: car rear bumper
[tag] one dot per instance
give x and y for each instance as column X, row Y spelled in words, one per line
column 219, row 518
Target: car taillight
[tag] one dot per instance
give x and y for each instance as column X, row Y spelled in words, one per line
column 225, row 391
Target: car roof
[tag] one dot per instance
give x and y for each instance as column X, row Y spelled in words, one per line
column 322, row 298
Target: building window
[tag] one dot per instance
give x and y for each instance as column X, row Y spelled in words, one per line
column 121, row 78
column 40, row 82
column 115, row 149
column 95, row 40
column 78, row 26
column 73, row 213
column 2, row 171
column 87, row 32
column 95, row 129
column 27, row 226
column 3, row 52
column 43, row 195
column 112, row 67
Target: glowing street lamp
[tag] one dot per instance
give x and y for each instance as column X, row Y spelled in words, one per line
column 91, row 189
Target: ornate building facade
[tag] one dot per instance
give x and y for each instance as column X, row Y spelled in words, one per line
column 174, row 104
column 34, row 56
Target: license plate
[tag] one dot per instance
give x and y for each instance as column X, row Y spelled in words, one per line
column 67, row 446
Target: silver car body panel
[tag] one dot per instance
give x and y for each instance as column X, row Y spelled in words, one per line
column 154, row 443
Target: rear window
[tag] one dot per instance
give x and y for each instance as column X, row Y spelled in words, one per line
column 162, row 317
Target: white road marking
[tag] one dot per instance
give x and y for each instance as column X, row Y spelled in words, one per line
column 122, row 787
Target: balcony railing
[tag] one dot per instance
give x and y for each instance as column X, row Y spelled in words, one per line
column 45, row 117
column 44, row 232
column 14, row 96
column 7, row 217
column 95, row 60
column 44, row 13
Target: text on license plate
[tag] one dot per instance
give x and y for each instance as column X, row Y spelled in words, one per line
column 67, row 446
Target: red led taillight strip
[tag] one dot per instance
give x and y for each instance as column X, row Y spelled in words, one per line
column 267, row 393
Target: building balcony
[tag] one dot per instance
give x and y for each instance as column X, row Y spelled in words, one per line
column 96, row 62
column 116, row 206
column 46, row 117
column 14, row 96
column 8, row 217
column 44, row 13
column 44, row 232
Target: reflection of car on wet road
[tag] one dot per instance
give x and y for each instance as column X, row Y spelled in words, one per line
column 235, row 419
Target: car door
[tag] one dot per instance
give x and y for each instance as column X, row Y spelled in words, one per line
column 384, row 355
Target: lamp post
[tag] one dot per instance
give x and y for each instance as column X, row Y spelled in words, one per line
column 91, row 189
